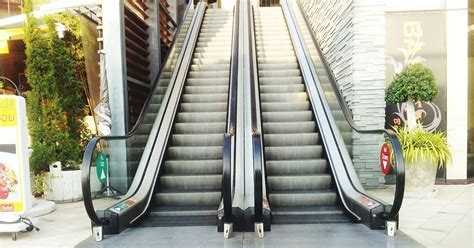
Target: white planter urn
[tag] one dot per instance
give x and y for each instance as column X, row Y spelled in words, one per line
column 420, row 179
column 64, row 186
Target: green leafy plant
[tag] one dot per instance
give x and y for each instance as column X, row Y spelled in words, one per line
column 41, row 184
column 55, row 103
column 415, row 82
column 419, row 145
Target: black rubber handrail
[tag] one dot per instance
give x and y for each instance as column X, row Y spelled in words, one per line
column 228, row 147
column 257, row 143
column 89, row 152
column 397, row 148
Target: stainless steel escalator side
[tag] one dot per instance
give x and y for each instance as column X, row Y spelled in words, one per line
column 358, row 203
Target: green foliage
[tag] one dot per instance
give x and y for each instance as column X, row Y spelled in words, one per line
column 416, row 82
column 420, row 144
column 55, row 105
column 41, row 184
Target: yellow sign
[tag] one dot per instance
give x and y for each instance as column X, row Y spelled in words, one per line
column 12, row 157
column 8, row 112
column 4, row 47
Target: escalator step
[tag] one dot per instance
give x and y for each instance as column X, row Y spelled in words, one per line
column 191, row 117
column 285, row 106
column 291, row 116
column 193, row 166
column 301, row 139
column 187, row 198
column 190, row 181
column 280, row 80
column 203, row 107
column 293, row 198
column 202, row 81
column 299, row 182
column 296, row 166
column 289, row 127
column 197, row 139
column 204, row 98
column 213, row 89
column 195, row 152
column 293, row 152
column 164, row 221
column 183, row 211
column 289, row 88
column 200, row 128
column 284, row 97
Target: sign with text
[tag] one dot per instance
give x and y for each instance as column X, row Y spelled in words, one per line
column 14, row 165
column 385, row 159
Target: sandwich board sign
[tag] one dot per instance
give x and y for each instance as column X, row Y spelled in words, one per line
column 15, row 191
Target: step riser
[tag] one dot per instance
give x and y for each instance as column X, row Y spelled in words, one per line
column 296, row 167
column 299, row 182
column 293, row 152
column 187, row 199
column 193, row 166
column 293, row 200
column 177, row 182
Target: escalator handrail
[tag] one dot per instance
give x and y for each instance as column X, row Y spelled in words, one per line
column 397, row 148
column 257, row 142
column 91, row 146
column 228, row 147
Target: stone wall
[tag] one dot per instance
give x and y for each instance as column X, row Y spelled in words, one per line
column 351, row 34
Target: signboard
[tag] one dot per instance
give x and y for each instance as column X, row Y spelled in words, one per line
column 385, row 159
column 101, row 163
column 412, row 38
column 14, row 165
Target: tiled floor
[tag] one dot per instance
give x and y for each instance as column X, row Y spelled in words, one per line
column 328, row 235
column 65, row 227
column 445, row 221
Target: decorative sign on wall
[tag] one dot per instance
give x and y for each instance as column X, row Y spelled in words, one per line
column 14, row 167
column 413, row 38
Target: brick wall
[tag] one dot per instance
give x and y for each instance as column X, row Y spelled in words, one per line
column 351, row 34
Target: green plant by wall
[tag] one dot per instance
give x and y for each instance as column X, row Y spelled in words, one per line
column 415, row 82
column 55, row 105
column 419, row 144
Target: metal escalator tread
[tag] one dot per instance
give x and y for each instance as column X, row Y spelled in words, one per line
column 189, row 186
column 299, row 183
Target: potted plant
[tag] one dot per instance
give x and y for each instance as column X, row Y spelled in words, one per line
column 424, row 152
column 54, row 108
column 415, row 83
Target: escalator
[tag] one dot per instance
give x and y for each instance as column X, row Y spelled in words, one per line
column 189, row 187
column 308, row 134
column 300, row 184
column 172, row 162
